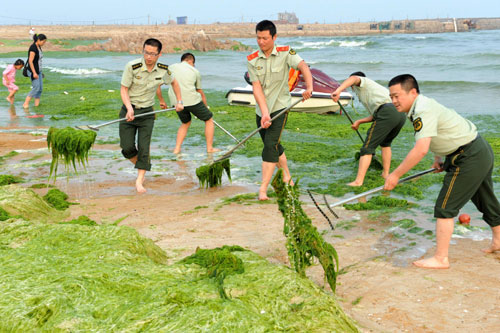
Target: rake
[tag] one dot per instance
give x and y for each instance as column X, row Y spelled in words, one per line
column 96, row 127
column 211, row 175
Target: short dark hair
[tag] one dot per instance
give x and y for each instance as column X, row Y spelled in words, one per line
column 266, row 25
column 188, row 56
column 407, row 82
column 358, row 74
column 37, row 37
column 153, row 42
column 19, row 62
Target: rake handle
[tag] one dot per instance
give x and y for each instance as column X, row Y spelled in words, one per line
column 380, row 188
column 226, row 155
column 350, row 119
column 341, row 107
column 139, row 115
column 225, row 131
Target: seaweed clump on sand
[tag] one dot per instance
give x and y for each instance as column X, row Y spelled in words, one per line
column 57, row 199
column 4, row 215
column 70, row 145
column 81, row 220
column 211, row 175
column 219, row 262
column 303, row 239
column 380, row 202
column 8, row 179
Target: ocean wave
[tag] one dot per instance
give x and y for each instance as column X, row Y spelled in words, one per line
column 461, row 84
column 332, row 42
column 78, row 71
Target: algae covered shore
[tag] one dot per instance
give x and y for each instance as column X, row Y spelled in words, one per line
column 115, row 261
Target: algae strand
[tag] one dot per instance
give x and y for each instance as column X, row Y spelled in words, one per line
column 219, row 262
column 70, row 145
column 303, row 239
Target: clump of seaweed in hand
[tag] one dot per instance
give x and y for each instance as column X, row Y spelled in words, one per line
column 211, row 175
column 303, row 240
column 70, row 145
column 219, row 262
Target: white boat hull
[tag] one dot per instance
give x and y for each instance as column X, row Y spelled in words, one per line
column 320, row 103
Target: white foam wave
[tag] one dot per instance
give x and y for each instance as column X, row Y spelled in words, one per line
column 420, row 37
column 332, row 42
column 348, row 43
column 78, row 71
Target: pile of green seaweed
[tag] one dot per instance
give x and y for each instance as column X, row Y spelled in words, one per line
column 80, row 276
column 304, row 242
column 70, row 145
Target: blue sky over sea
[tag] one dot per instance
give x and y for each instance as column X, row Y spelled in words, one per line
column 203, row 12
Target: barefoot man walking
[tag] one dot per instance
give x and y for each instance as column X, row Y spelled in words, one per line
column 141, row 80
column 468, row 164
column 268, row 69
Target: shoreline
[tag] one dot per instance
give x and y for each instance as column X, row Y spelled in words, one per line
column 381, row 296
column 207, row 37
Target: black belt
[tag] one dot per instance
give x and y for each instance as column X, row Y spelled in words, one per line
column 136, row 108
column 463, row 147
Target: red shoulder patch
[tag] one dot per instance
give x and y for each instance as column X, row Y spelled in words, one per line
column 283, row 48
column 253, row 55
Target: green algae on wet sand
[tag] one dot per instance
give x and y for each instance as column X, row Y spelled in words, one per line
column 109, row 278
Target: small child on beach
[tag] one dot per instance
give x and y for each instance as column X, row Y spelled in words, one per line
column 9, row 77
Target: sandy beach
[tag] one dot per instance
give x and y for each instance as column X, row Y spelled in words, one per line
column 382, row 297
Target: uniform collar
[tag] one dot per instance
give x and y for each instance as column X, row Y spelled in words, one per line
column 412, row 109
column 144, row 67
column 273, row 52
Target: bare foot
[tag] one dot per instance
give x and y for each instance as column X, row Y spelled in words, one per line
column 492, row 249
column 355, row 184
column 263, row 196
column 10, row 100
column 384, row 175
column 26, row 106
column 433, row 263
column 213, row 150
column 176, row 151
column 139, row 187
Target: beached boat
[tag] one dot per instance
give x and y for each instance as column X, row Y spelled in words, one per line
column 320, row 102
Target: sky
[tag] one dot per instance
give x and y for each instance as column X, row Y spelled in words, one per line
column 42, row 12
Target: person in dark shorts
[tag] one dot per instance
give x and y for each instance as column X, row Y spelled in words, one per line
column 195, row 102
column 141, row 81
column 386, row 122
column 468, row 164
column 268, row 69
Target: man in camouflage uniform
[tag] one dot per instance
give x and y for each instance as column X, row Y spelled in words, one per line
column 468, row 164
column 141, row 80
column 268, row 70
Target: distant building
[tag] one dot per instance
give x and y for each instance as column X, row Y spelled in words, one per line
column 287, row 18
column 182, row 19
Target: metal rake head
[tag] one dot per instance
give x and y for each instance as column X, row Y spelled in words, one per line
column 87, row 128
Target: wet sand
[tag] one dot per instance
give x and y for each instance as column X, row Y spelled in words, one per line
column 179, row 217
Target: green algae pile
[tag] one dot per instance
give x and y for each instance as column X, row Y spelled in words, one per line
column 219, row 262
column 211, row 175
column 4, row 215
column 67, row 277
column 70, row 145
column 9, row 179
column 380, row 202
column 81, row 220
column 57, row 199
column 304, row 243
column 25, row 203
